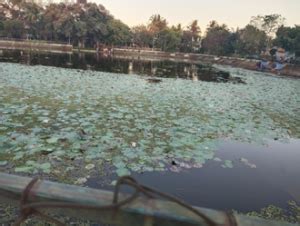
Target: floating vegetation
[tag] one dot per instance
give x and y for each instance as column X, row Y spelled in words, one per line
column 291, row 214
column 50, row 117
column 247, row 163
column 227, row 164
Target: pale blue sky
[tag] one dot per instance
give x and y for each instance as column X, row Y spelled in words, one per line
column 235, row 13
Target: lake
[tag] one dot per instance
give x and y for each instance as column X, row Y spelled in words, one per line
column 230, row 143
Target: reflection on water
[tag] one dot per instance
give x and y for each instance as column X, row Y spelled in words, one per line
column 274, row 181
column 120, row 65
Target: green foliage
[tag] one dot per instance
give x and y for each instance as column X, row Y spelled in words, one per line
column 77, row 24
column 288, row 38
column 13, row 28
column 15, row 2
column 88, row 25
column 168, row 40
column 227, row 164
column 2, row 19
column 157, row 24
column 195, row 30
column 31, row 16
column 1, row 28
column 218, row 40
column 159, row 35
column 164, row 38
column 292, row 214
column 186, row 44
column 142, row 37
column 268, row 23
column 191, row 38
column 64, row 117
column 96, row 22
column 3, row 163
column 34, row 167
column 119, row 33
column 250, row 40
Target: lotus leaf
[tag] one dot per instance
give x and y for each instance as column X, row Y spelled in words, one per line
column 134, row 126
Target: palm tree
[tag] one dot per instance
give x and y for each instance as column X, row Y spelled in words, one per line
column 31, row 16
column 195, row 30
column 157, row 24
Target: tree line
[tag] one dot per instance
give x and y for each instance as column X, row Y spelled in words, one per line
column 88, row 25
column 83, row 25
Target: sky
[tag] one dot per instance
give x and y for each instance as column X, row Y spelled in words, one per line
column 235, row 13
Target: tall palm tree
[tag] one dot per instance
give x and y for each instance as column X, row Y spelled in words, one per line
column 195, row 30
column 31, row 16
column 157, row 23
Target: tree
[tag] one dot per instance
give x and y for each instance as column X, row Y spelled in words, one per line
column 269, row 24
column 77, row 23
column 186, row 44
column 191, row 39
column 3, row 7
column 250, row 40
column 157, row 24
column 195, row 30
column 288, row 38
column 219, row 40
column 60, row 20
column 31, row 16
column 80, row 31
column 82, row 24
column 119, row 33
column 96, row 20
column 49, row 16
column 15, row 2
column 158, row 35
column 168, row 40
column 13, row 28
column 141, row 36
column 177, row 28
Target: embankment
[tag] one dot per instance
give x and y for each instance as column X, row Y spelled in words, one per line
column 35, row 46
column 250, row 64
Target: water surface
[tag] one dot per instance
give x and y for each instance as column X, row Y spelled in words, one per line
column 217, row 145
column 120, row 65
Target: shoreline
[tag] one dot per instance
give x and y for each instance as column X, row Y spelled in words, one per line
column 289, row 70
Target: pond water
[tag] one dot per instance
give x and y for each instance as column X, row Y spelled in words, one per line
column 214, row 144
column 124, row 65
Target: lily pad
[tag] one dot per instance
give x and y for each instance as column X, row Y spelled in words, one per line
column 52, row 140
column 3, row 163
column 74, row 115
column 122, row 172
column 24, row 169
column 227, row 164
